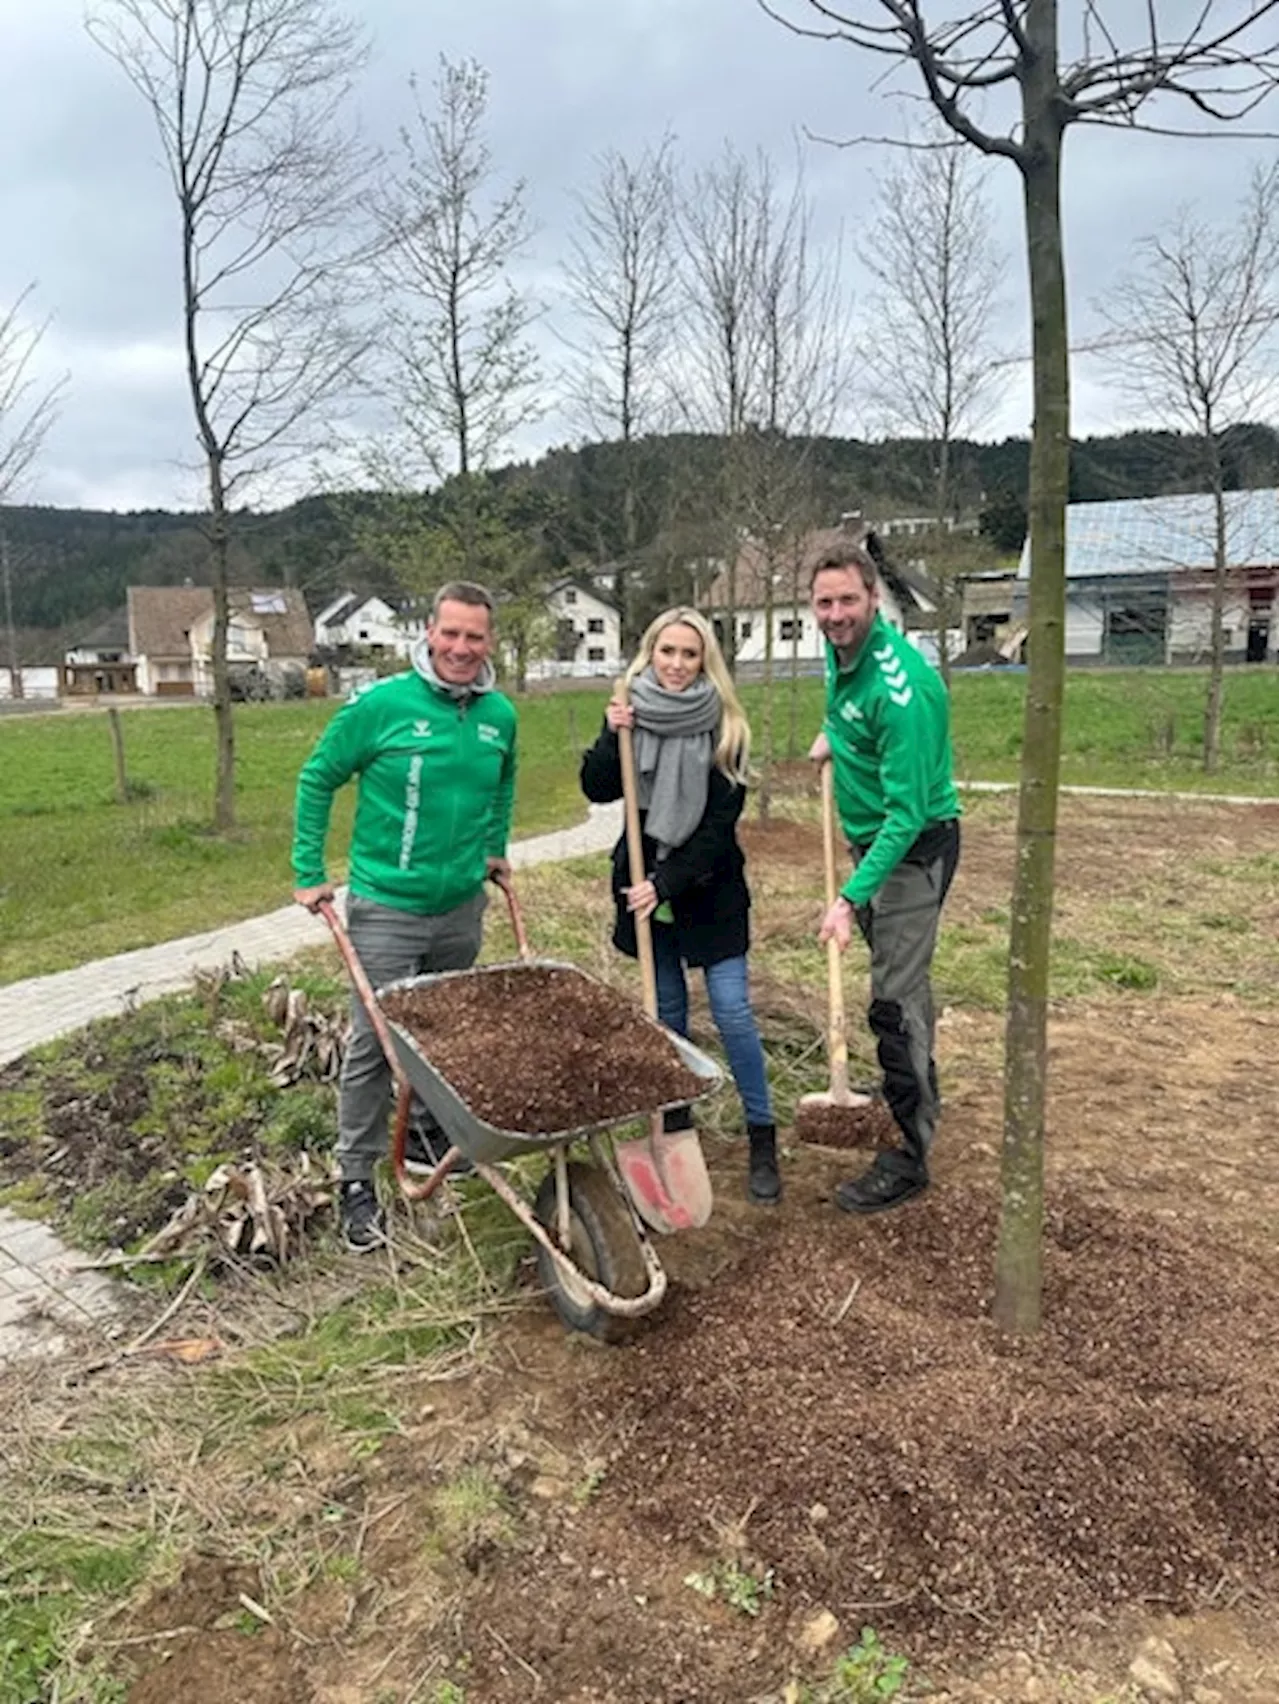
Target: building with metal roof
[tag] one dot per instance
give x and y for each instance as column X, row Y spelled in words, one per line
column 1140, row 578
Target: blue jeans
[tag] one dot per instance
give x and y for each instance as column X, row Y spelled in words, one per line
column 730, row 1003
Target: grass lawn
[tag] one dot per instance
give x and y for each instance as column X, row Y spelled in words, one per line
column 82, row 876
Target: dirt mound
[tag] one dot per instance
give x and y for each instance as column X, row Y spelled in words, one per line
column 848, row 1407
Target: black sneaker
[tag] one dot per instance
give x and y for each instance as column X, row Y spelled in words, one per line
column 363, row 1225
column 425, row 1148
column 880, row 1187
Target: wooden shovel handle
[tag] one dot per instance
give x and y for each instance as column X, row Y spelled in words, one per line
column 837, row 1046
column 635, row 856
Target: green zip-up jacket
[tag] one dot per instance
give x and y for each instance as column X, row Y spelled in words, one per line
column 436, row 783
column 888, row 723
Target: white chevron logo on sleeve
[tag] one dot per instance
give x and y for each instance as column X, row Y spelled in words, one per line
column 896, row 680
column 903, row 697
column 882, row 653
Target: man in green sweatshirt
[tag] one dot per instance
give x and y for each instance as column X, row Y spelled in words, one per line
column 887, row 734
column 434, row 751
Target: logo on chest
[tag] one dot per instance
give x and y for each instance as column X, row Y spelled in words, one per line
column 421, row 730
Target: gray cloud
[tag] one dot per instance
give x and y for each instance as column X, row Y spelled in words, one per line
column 88, row 214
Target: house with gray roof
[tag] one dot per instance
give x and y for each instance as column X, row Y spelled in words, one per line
column 1140, row 578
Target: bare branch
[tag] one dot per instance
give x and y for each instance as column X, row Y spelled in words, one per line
column 29, row 405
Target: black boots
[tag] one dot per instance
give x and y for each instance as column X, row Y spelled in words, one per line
column 764, row 1186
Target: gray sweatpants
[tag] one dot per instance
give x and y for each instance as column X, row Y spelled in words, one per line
column 900, row 926
column 391, row 944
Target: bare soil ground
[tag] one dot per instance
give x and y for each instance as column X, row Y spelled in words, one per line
column 822, row 1429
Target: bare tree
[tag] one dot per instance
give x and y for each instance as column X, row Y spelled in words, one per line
column 760, row 361
column 929, row 349
column 1196, row 326
column 622, row 280
column 460, row 370
column 800, row 310
column 29, row 407
column 247, row 96
column 1125, row 72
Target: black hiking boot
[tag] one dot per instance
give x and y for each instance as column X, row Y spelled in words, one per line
column 764, row 1186
column 891, row 1179
column 364, row 1227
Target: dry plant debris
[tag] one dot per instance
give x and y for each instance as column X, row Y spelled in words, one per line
column 542, row 1048
column 244, row 1211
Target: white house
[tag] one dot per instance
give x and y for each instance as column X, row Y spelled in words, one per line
column 588, row 634
column 1140, row 578
column 369, row 625
column 100, row 662
column 905, row 597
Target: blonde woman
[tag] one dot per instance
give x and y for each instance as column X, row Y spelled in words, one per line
column 691, row 747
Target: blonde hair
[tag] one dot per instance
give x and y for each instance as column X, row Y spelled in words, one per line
column 733, row 747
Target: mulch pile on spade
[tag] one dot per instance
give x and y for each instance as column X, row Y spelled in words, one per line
column 538, row 1049
column 869, row 1126
column 901, row 1463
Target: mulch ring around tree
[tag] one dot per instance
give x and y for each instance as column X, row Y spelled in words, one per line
column 849, row 1409
column 542, row 1048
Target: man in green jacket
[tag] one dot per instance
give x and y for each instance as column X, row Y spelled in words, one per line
column 887, row 735
column 434, row 750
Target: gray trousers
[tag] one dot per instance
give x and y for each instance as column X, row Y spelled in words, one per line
column 391, row 944
column 900, row 925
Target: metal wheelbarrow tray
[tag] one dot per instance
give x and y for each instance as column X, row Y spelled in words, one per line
column 594, row 1256
column 479, row 1140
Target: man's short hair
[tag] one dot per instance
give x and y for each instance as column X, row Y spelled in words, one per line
column 846, row 555
column 463, row 592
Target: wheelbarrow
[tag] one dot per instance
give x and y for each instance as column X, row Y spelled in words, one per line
column 595, row 1260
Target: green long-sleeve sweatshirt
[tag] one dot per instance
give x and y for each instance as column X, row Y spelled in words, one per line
column 888, row 723
column 436, row 783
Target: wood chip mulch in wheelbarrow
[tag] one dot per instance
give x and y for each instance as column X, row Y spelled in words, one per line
column 542, row 1048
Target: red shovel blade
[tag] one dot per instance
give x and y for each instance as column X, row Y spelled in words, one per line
column 667, row 1179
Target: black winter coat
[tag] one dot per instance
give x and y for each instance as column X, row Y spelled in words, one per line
column 704, row 880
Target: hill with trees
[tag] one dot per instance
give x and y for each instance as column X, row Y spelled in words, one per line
column 69, row 567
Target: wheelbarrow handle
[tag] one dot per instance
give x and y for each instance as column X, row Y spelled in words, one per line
column 364, row 988
column 501, row 879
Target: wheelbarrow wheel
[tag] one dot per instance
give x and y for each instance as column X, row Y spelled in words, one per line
column 602, row 1242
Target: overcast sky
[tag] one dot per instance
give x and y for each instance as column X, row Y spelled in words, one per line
column 87, row 214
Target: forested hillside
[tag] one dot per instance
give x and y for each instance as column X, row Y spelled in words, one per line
column 69, row 568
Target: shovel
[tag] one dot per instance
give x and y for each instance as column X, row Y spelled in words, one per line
column 665, row 1172
column 839, row 1093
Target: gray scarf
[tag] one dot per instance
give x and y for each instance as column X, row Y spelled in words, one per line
column 675, row 734
column 420, row 657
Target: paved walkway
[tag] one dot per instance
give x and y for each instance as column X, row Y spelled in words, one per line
column 39, row 1293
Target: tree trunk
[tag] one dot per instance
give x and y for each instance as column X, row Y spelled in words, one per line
column 1018, row 1257
column 764, row 800
column 1217, row 636
column 224, row 794
column 15, row 668
column 942, row 507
